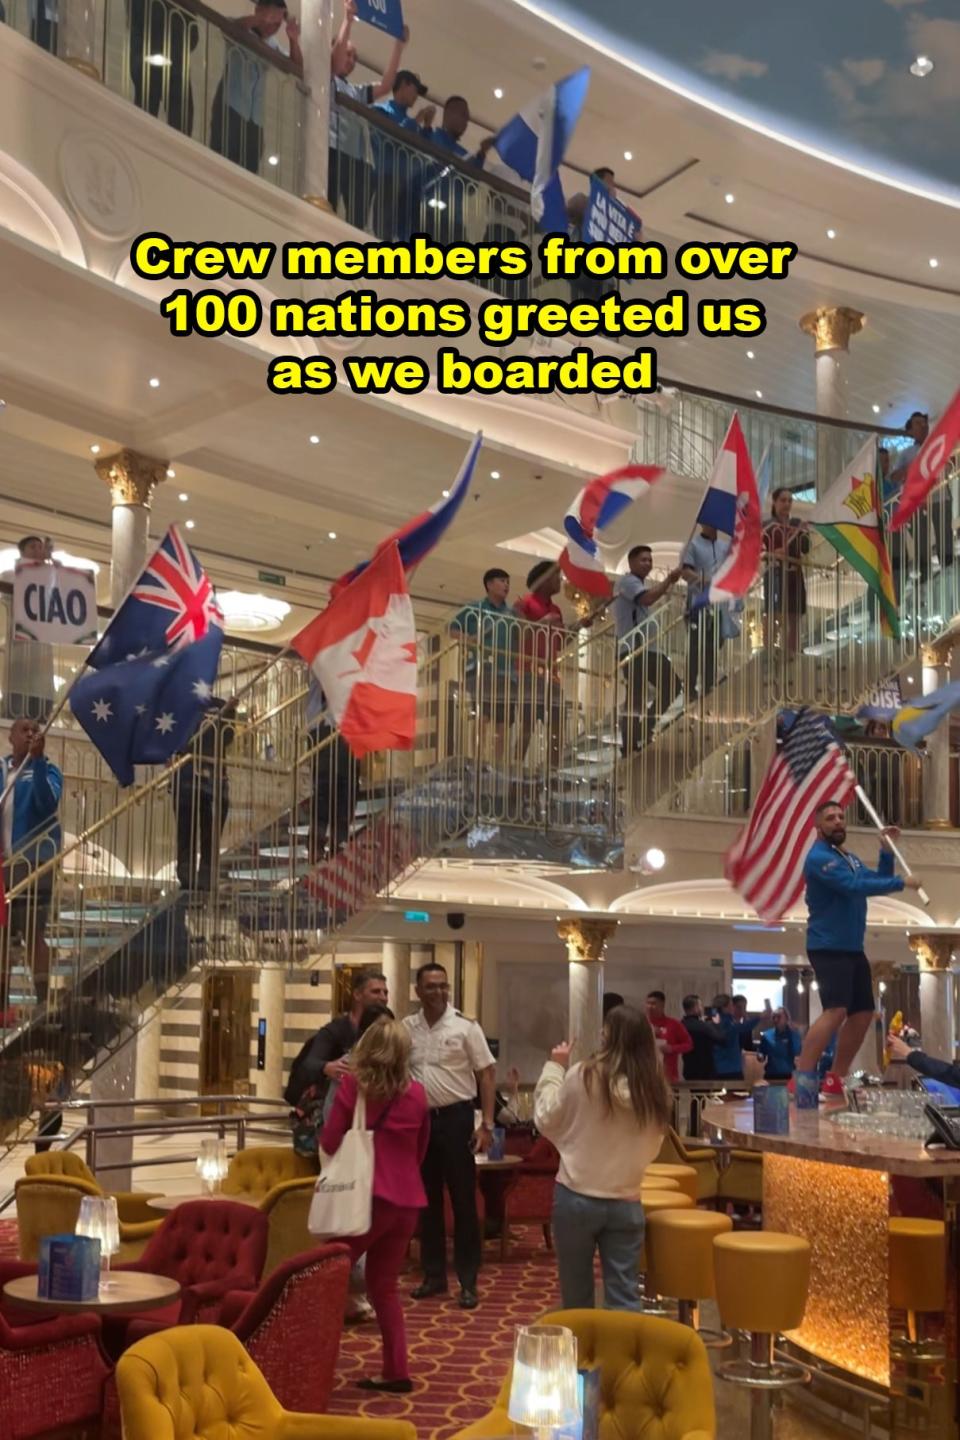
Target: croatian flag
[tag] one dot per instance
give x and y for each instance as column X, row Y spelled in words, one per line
column 363, row 651
column 535, row 141
column 732, row 504
column 417, row 538
column 600, row 503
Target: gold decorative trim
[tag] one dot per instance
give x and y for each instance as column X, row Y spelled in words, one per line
column 832, row 326
column 84, row 66
column 321, row 202
column 132, row 477
column 586, row 940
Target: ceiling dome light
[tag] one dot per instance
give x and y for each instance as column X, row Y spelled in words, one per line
column 934, row 262
column 242, row 611
column 498, row 93
column 921, row 67
column 751, row 355
column 831, row 234
column 729, row 197
column 759, row 394
column 154, row 383
column 183, row 495
column 331, row 534
column 314, row 439
column 190, row 524
column 273, row 159
column 628, row 154
column 875, row 409
column 445, row 494
column 171, row 473
column 94, row 449
column 494, row 474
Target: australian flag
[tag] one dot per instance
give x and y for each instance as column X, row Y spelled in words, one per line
column 150, row 677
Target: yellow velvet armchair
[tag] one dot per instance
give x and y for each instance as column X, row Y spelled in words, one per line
column 132, row 1205
column 197, row 1382
column 50, row 1204
column 655, row 1378
column 702, row 1158
column 287, row 1206
column 254, row 1172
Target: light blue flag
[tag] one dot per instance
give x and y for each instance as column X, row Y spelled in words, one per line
column 919, row 717
column 535, row 141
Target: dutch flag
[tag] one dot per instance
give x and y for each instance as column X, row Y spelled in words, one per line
column 732, row 504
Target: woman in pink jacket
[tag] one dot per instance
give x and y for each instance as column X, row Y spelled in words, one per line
column 399, row 1117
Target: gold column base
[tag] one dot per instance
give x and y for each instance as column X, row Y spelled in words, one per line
column 84, row 67
column 321, row 202
column 938, row 824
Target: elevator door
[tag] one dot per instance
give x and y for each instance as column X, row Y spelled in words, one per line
column 225, row 1033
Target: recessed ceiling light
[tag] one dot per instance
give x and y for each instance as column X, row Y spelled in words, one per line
column 921, row 67
column 331, row 534
column 94, row 449
column 445, row 494
column 759, row 394
column 934, row 262
column 273, row 159
column 750, row 355
column 171, row 473
column 628, row 154
column 494, row 474
column 183, row 495
column 189, row 524
column 729, row 197
column 498, row 93
column 314, row 439
column 831, row 234
column 154, row 383
column 876, row 409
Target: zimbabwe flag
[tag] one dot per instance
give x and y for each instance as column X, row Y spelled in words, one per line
column 851, row 518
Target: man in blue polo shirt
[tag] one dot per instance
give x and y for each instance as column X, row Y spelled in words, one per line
column 490, row 634
column 446, row 190
column 399, row 167
column 30, row 830
column 838, row 886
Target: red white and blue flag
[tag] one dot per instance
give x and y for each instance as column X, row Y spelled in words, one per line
column 599, row 503
column 929, row 464
column 363, row 651
column 732, row 504
column 150, row 677
column 418, row 537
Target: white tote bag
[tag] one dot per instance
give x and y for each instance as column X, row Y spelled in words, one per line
column 343, row 1195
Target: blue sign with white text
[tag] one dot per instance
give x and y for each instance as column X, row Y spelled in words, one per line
column 608, row 221
column 384, row 14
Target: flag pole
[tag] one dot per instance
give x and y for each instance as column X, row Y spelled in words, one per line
column 868, row 806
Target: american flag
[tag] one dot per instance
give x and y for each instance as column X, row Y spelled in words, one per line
column 765, row 863
column 359, row 870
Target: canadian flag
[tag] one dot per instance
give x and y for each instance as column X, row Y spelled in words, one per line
column 363, row 651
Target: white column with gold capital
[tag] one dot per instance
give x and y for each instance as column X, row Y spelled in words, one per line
column 317, row 33
column 937, row 951
column 936, row 766
column 832, row 328
column 395, row 961
column 132, row 478
column 586, row 942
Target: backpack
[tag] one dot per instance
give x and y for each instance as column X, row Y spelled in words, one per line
column 306, row 1120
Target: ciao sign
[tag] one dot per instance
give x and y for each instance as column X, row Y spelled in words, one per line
column 383, row 14
column 54, row 604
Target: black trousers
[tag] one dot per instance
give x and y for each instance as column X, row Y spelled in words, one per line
column 232, row 135
column 160, row 29
column 336, row 785
column 639, row 722
column 702, row 654
column 196, row 826
column 449, row 1162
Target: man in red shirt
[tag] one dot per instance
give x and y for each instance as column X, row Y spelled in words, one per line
column 541, row 643
column 673, row 1039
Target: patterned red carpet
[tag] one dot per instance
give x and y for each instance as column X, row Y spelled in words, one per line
column 457, row 1358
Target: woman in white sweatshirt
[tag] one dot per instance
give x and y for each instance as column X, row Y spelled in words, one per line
column 607, row 1117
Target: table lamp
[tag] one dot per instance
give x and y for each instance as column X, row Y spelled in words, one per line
column 212, row 1164
column 543, row 1392
column 98, row 1220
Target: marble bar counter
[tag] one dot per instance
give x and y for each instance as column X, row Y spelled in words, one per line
column 847, row 1193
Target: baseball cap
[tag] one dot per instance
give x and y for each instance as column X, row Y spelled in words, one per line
column 408, row 77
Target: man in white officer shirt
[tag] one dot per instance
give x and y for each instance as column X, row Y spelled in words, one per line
column 450, row 1057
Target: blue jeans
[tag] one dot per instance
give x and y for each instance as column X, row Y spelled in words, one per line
column 583, row 1224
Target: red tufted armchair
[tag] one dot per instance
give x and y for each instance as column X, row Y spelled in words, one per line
column 297, row 1311
column 529, row 1196
column 52, row 1376
column 210, row 1247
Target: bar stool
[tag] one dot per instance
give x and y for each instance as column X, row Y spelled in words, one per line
column 654, row 1202
column 918, row 1283
column 661, row 1182
column 685, row 1176
column 762, row 1279
column 679, row 1248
